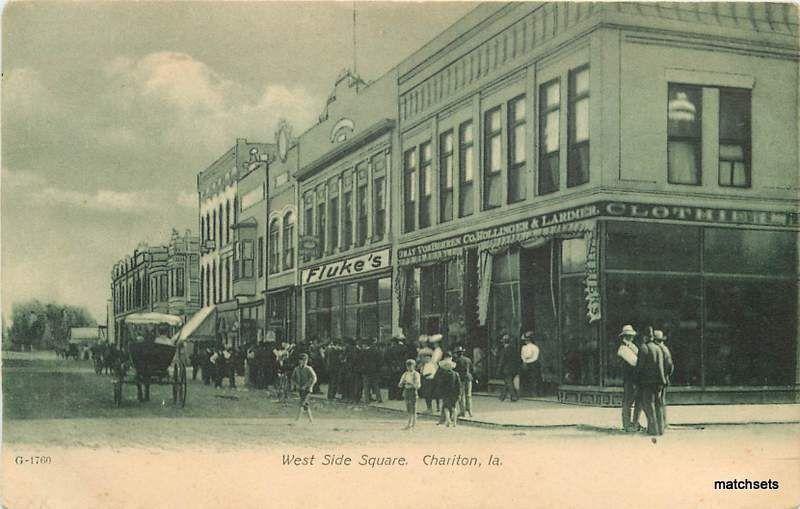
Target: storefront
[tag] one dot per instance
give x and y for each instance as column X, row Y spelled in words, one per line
column 282, row 315
column 720, row 283
column 349, row 298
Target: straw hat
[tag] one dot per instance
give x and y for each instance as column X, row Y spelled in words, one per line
column 627, row 331
column 435, row 338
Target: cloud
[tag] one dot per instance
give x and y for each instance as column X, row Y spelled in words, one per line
column 104, row 200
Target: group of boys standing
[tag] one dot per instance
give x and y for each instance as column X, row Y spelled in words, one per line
column 646, row 369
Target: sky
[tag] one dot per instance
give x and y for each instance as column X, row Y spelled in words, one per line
column 109, row 111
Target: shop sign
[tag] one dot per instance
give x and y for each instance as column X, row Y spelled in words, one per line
column 347, row 267
column 700, row 214
column 519, row 230
column 592, row 288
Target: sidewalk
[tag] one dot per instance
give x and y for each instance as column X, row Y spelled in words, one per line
column 540, row 413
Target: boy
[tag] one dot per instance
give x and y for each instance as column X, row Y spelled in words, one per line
column 304, row 378
column 410, row 383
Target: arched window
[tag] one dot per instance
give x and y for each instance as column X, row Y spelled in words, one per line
column 274, row 248
column 288, row 241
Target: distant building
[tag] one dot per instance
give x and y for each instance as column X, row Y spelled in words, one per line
column 220, row 205
column 162, row 279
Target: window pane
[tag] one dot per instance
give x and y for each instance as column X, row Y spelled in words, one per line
column 581, row 132
column 581, row 81
column 466, row 132
column 493, row 192
column 548, row 174
column 518, row 154
column 517, row 183
column 351, row 293
column 683, row 162
column 494, row 154
column 493, row 120
column 552, row 95
column 652, row 247
column 734, row 114
column 728, row 250
column 684, row 109
column 468, row 163
column 550, row 132
column 750, row 332
column 731, row 152
column 368, row 291
column 573, row 255
column 385, row 289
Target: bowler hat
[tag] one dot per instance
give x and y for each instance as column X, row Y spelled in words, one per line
column 627, row 331
column 459, row 349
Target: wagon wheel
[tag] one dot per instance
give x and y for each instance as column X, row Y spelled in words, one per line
column 118, row 393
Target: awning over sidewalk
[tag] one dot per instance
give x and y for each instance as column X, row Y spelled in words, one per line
column 153, row 319
column 200, row 326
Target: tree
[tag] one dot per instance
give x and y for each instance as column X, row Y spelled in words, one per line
column 43, row 325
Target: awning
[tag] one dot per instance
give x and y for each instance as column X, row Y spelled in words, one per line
column 200, row 326
column 153, row 319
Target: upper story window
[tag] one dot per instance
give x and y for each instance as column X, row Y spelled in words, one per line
column 334, row 221
column 446, row 177
column 273, row 248
column 227, row 221
column 684, row 134
column 578, row 123
column 247, row 259
column 409, row 189
column 214, row 219
column 378, row 196
column 321, row 224
column 517, row 172
column 362, row 203
column 734, row 137
column 288, row 241
column 549, row 135
column 221, row 230
column 347, row 218
column 425, row 184
column 466, row 169
column 180, row 283
column 308, row 220
column 260, row 260
column 492, row 169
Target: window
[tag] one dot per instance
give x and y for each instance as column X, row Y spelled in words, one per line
column 273, row 247
column 228, row 277
column 321, row 227
column 549, row 133
column 227, row 221
column 260, row 259
column 578, row 123
column 214, row 237
column 347, row 220
column 288, row 241
column 466, row 169
column 208, row 227
column 425, row 184
column 202, row 229
column 208, row 287
column 334, row 223
column 409, row 189
column 308, row 222
column 734, row 137
column 221, row 237
column 213, row 286
column 379, row 208
column 517, row 173
column 492, row 165
column 446, row 177
column 684, row 143
column 362, row 204
column 247, row 258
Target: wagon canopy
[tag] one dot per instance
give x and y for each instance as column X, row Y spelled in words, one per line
column 200, row 326
column 153, row 319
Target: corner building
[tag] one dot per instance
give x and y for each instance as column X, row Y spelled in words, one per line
column 571, row 168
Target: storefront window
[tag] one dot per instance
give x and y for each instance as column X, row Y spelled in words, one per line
column 581, row 354
column 505, row 301
column 750, row 333
column 653, row 247
column 750, row 251
column 668, row 303
column 573, row 256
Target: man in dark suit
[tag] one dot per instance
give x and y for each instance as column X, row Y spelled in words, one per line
column 652, row 379
column 669, row 367
column 508, row 363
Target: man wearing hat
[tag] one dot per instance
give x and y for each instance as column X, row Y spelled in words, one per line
column 508, row 362
column 669, row 367
column 464, row 370
column 628, row 353
column 529, row 354
column 651, row 381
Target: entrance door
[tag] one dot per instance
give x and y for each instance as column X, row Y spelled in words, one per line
column 538, row 300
